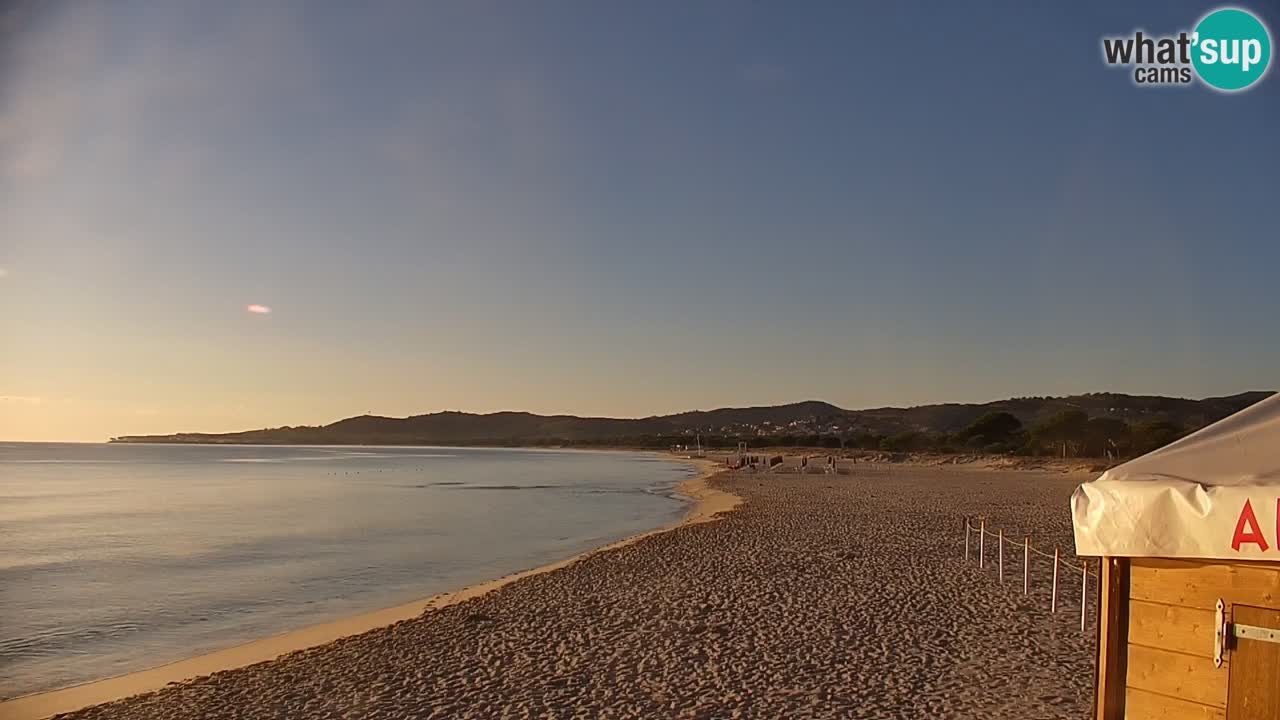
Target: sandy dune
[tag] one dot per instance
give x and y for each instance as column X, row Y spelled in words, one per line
column 821, row 596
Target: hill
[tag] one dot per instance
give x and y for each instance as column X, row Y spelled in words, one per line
column 795, row 423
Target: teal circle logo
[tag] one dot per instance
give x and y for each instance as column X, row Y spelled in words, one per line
column 1230, row 49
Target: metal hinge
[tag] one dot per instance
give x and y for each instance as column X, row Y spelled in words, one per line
column 1219, row 633
column 1223, row 630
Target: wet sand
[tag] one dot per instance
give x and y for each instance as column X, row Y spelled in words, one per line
column 820, row 596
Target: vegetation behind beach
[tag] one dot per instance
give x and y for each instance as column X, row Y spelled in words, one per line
column 1094, row 425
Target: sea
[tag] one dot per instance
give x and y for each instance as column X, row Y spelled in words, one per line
column 119, row 557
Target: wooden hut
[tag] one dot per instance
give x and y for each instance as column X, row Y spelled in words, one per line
column 1189, row 611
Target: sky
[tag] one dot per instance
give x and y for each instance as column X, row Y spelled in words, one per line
column 608, row 208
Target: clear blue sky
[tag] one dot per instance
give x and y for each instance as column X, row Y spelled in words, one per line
column 614, row 208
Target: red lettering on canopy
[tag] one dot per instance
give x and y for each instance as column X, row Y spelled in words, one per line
column 1252, row 534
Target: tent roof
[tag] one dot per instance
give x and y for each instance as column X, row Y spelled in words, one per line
column 1212, row 494
column 1242, row 449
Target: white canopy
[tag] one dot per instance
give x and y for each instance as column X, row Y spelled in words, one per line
column 1213, row 494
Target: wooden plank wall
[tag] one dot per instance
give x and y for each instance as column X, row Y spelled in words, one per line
column 1171, row 616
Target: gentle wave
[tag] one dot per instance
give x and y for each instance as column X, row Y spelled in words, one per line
column 8, row 461
column 328, row 458
column 505, row 487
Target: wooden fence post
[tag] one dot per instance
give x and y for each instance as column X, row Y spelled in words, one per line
column 1084, row 593
column 982, row 543
column 1026, row 565
column 1053, row 602
column 966, row 539
column 1000, row 557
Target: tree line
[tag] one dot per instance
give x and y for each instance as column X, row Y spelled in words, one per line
column 1069, row 433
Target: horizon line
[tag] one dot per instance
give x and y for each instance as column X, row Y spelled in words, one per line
column 686, row 412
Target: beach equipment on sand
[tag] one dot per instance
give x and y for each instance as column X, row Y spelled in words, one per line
column 1189, row 591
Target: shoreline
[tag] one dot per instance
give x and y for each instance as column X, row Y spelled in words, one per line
column 831, row 596
column 705, row 504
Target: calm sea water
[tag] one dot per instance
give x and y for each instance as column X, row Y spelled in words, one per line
column 114, row 558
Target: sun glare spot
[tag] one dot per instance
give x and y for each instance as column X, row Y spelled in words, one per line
column 259, row 309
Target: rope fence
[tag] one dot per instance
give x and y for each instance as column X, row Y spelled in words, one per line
column 1059, row 565
column 974, row 533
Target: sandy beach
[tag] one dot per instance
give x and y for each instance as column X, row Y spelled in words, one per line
column 817, row 596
